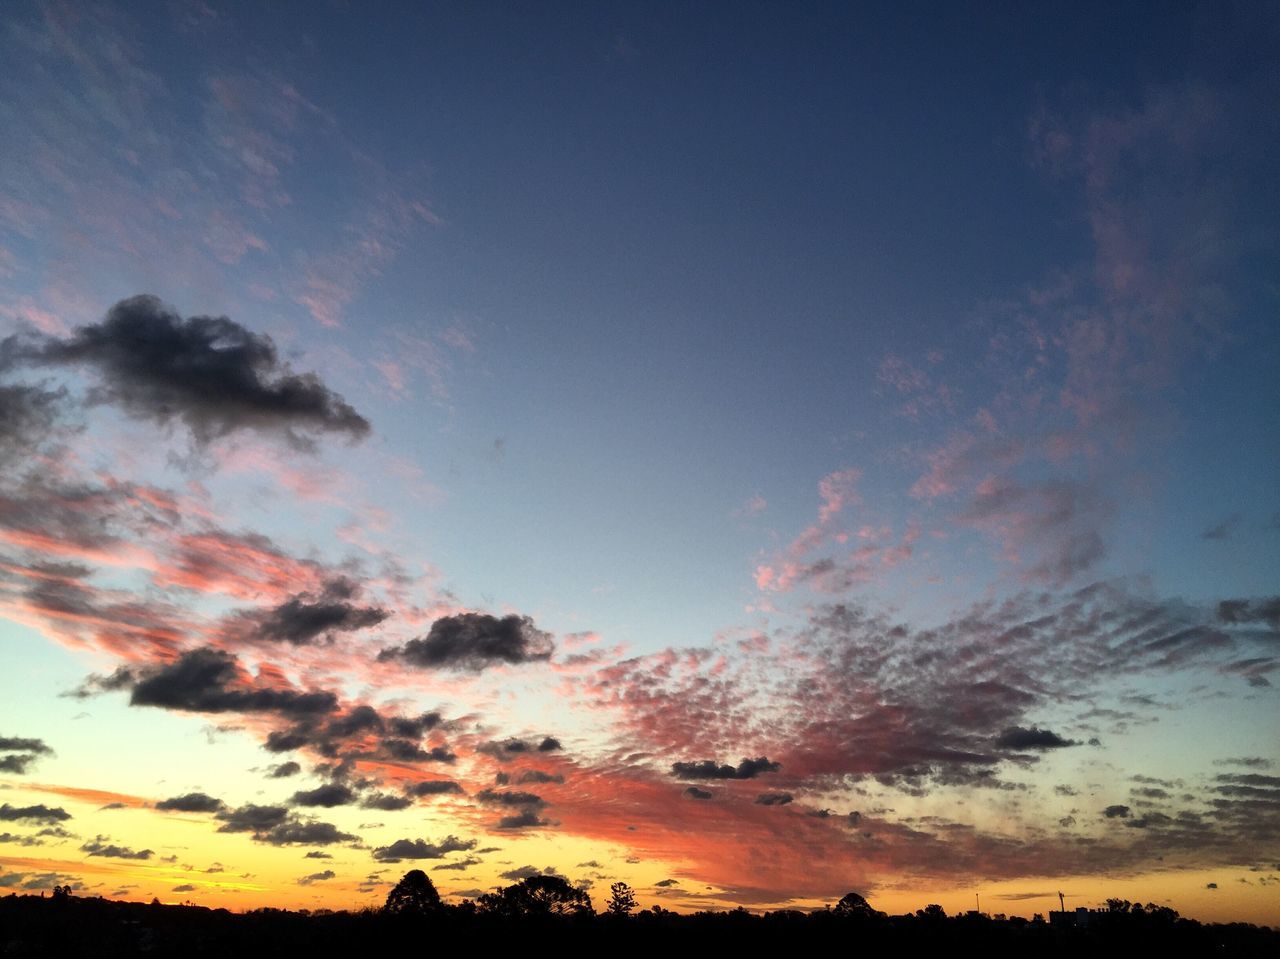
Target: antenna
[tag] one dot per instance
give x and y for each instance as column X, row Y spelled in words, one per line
column 977, row 904
column 1061, row 903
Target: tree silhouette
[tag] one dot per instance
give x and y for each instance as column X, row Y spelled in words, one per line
column 622, row 900
column 414, row 895
column 538, row 896
column 853, row 906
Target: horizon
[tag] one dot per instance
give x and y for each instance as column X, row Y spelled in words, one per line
column 754, row 453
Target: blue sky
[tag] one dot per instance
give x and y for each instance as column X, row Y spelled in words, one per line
column 746, row 350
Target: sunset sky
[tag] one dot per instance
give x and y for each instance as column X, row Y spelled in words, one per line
column 753, row 451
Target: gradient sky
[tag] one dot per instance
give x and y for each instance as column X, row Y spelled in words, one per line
column 756, row 453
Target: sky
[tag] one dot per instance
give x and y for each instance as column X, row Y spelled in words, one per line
column 755, row 452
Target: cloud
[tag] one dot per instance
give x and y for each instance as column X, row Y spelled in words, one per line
column 525, row 819
column 328, row 796
column 460, row 866
column 1224, row 529
column 317, row 854
column 774, row 799
column 13, row 744
column 191, row 802
column 527, row 872
column 27, row 417
column 1242, row 611
column 1017, row 737
column 421, row 849
column 38, row 813
column 707, row 769
column 434, row 787
column 211, row 373
column 412, row 727
column 474, row 641
column 20, row 840
column 693, row 792
column 387, row 802
column 511, row 798
column 303, row 833
column 102, row 847
column 284, row 770
column 184, row 887
column 538, row 776
column 316, row 877
column 305, row 618
column 16, row 765
column 251, row 818
column 549, row 745
column 207, row 680
column 401, row 750
column 1116, row 812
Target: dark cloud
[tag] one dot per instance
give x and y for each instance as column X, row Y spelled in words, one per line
column 434, row 787
column 20, row 840
column 305, row 618
column 316, row 877
column 472, row 641
column 1249, row 762
column 122, row 677
column 184, row 887
column 303, row 833
column 1017, row 737
column 667, row 883
column 1224, row 529
column 191, row 802
column 538, row 776
column 421, row 849
column 774, row 799
column 16, row 764
column 284, row 770
column 708, row 769
column 412, row 727
column 28, row 415
column 511, row 798
column 527, row 872
column 460, row 866
column 387, row 802
column 102, row 847
column 525, row 819
column 693, row 792
column 38, row 813
column 14, row 744
column 251, row 818
column 1251, row 611
column 404, row 751
column 317, row 854
column 287, row 740
column 1116, row 812
column 548, row 745
column 209, row 372
column 328, row 796
column 206, row 680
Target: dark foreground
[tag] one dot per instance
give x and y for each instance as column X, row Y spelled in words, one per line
column 72, row 926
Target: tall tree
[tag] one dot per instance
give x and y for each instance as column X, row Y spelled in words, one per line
column 414, row 895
